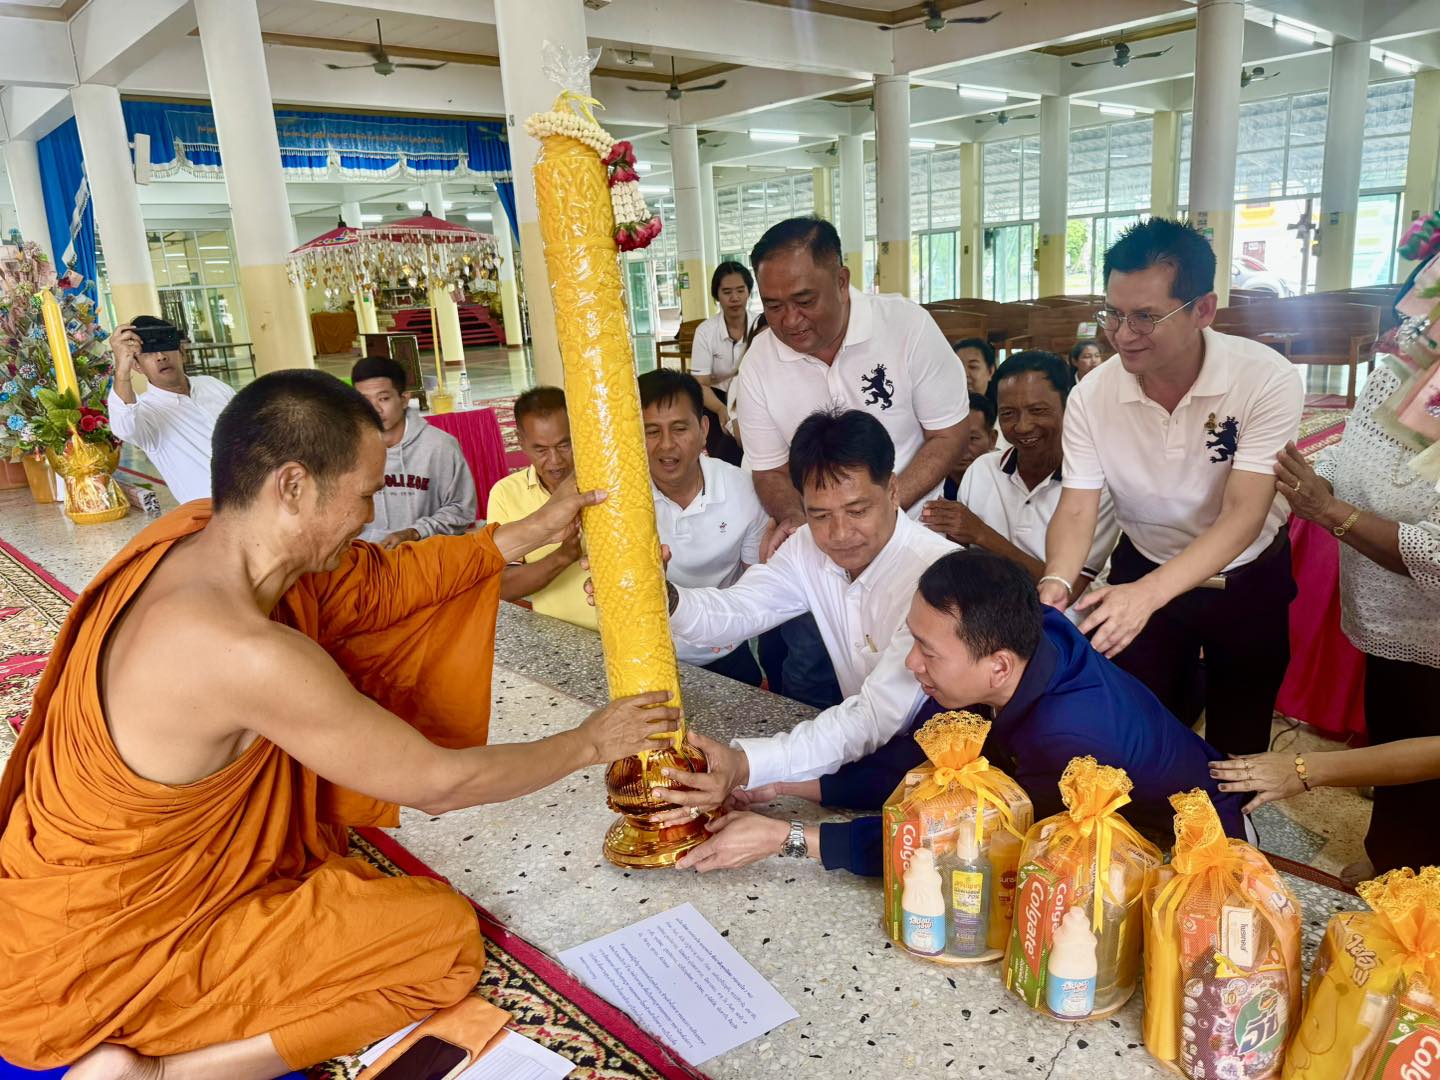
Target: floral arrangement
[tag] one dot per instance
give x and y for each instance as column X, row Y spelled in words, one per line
column 34, row 415
column 635, row 226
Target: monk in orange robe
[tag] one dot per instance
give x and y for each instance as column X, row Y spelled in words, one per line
column 233, row 689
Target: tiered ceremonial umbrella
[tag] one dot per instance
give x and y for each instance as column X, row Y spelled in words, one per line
column 442, row 256
column 333, row 261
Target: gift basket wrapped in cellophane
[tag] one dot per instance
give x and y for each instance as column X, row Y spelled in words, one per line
column 952, row 844
column 1371, row 1007
column 1074, row 950
column 1222, row 953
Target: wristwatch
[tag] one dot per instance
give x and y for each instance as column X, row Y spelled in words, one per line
column 794, row 846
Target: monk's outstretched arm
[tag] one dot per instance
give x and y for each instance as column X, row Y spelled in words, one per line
column 349, row 740
column 375, row 588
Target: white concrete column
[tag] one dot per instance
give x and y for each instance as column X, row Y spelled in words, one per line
column 851, row 218
column 972, row 222
column 365, row 316
column 1054, row 191
column 118, row 219
column 1219, row 52
column 23, row 167
column 711, row 229
column 892, row 182
column 523, row 27
column 8, row 222
column 259, row 206
column 1164, row 163
column 509, row 292
column 451, row 346
column 689, row 224
column 1344, row 146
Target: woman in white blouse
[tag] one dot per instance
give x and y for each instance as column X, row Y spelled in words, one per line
column 1387, row 518
column 715, row 356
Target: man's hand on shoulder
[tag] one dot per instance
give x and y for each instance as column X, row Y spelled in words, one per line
column 395, row 539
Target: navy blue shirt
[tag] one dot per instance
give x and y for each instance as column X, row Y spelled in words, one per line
column 1070, row 701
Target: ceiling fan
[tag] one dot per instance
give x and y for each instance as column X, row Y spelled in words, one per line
column 1122, row 56
column 382, row 64
column 674, row 92
column 1255, row 74
column 934, row 20
column 706, row 141
column 1002, row 117
column 833, row 150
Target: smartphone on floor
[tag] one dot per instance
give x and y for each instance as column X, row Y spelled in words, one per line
column 428, row 1058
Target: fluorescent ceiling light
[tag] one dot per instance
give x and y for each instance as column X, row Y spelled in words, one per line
column 417, row 205
column 1399, row 63
column 921, row 144
column 788, row 138
column 1286, row 28
column 654, row 189
column 214, row 247
column 643, row 167
column 217, row 262
column 477, row 216
column 1116, row 110
column 976, row 94
column 370, row 219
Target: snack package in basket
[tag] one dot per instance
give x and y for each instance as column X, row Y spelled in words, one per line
column 1074, row 949
column 1222, row 953
column 1371, row 1011
column 952, row 832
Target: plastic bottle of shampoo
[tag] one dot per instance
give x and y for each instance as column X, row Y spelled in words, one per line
column 1070, row 975
column 922, row 905
column 967, row 883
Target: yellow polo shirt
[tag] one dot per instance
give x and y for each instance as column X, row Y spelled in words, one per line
column 520, row 495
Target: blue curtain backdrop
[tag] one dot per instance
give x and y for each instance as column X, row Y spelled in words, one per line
column 62, row 167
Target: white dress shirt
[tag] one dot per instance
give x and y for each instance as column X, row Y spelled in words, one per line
column 894, row 364
column 1167, row 471
column 715, row 353
column 712, row 539
column 994, row 492
column 862, row 623
column 175, row 431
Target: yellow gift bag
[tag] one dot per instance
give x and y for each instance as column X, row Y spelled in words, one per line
column 1371, row 1011
column 952, row 842
column 1222, row 953
column 1074, row 950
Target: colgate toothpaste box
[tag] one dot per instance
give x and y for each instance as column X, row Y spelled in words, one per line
column 1041, row 897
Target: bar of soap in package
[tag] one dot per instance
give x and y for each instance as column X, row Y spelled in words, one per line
column 1074, row 949
column 1222, row 953
column 954, row 903
column 1371, row 1011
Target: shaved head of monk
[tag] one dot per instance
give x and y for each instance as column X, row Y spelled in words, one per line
column 174, row 834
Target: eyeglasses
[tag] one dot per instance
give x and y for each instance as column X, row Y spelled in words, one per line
column 1141, row 322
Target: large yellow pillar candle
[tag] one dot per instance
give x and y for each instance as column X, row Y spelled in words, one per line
column 65, row 378
column 577, row 226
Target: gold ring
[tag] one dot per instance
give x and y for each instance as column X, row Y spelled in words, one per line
column 694, row 812
column 1295, row 486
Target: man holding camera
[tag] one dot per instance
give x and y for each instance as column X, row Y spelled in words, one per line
column 175, row 418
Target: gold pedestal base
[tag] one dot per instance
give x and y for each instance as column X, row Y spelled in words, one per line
column 637, row 844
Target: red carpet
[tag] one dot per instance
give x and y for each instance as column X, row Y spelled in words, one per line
column 548, row 1004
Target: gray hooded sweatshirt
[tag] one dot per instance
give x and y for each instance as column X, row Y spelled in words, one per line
column 428, row 486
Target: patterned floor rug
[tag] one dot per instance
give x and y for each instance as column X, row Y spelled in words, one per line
column 548, row 1004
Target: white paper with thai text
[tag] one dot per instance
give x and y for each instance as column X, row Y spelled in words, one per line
column 683, row 982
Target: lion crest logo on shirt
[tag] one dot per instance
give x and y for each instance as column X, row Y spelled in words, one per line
column 877, row 388
column 1225, row 436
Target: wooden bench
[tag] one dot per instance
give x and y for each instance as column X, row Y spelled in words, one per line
column 957, row 325
column 1380, row 296
column 1002, row 320
column 1055, row 329
column 1308, row 330
column 678, row 348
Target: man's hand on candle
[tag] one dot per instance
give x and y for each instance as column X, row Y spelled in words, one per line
column 726, row 770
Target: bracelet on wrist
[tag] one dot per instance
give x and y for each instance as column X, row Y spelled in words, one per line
column 1345, row 526
column 1059, row 580
column 1302, row 770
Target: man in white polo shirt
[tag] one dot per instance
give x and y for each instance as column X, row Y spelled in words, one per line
column 706, row 509
column 174, row 420
column 1182, row 426
column 1007, row 497
column 831, row 345
column 854, row 565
